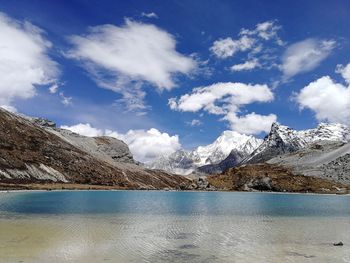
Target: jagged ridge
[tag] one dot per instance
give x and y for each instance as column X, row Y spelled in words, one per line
column 283, row 139
column 186, row 162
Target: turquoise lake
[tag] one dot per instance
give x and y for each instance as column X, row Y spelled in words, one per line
column 157, row 226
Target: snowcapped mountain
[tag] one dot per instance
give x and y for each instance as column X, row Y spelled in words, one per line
column 185, row 162
column 283, row 139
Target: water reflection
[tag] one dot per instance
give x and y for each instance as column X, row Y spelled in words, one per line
column 172, row 227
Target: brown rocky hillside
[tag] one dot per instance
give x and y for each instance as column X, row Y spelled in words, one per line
column 29, row 154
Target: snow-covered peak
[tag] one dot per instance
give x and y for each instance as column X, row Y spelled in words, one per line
column 223, row 145
column 329, row 131
column 187, row 161
column 283, row 139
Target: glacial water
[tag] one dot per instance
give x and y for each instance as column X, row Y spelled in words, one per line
column 155, row 226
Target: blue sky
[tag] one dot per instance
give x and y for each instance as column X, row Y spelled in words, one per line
column 282, row 53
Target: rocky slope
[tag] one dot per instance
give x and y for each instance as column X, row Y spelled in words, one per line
column 323, row 159
column 322, row 166
column 228, row 143
column 34, row 151
column 282, row 140
column 274, row 178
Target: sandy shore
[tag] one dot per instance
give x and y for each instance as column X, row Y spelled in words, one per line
column 58, row 186
column 81, row 187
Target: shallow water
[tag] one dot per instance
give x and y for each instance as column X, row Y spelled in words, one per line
column 141, row 226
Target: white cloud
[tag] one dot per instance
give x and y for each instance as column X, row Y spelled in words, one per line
column 123, row 58
column 24, row 63
column 305, row 55
column 330, row 101
column 84, row 129
column 66, row 101
column 53, row 88
column 248, row 65
column 227, row 47
column 145, row 145
column 251, row 123
column 224, row 99
column 149, row 15
column 148, row 145
column 220, row 97
column 195, row 122
column 344, row 71
column 266, row 30
column 248, row 40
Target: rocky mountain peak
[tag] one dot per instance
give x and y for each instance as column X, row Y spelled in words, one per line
column 283, row 139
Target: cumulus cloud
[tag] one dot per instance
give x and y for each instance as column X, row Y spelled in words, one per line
column 145, row 145
column 227, row 47
column 248, row 65
column 219, row 97
column 24, row 62
column 84, row 129
column 149, row 15
column 330, row 101
column 148, row 145
column 248, row 40
column 305, row 55
column 344, row 71
column 224, row 99
column 122, row 58
column 251, row 123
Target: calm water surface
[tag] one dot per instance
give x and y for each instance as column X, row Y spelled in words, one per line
column 141, row 226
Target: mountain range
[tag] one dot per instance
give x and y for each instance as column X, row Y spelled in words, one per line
column 232, row 149
column 186, row 162
column 35, row 154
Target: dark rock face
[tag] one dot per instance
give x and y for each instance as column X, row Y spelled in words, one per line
column 261, row 184
column 31, row 154
column 232, row 160
column 338, row 244
column 280, row 140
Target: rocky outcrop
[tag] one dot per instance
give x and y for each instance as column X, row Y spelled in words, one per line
column 33, row 152
column 323, row 159
column 269, row 177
